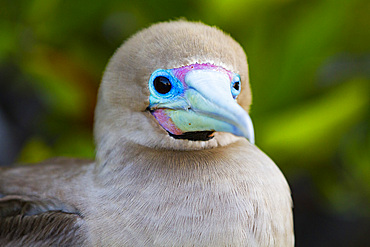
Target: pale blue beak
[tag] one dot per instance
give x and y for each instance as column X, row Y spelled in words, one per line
column 208, row 105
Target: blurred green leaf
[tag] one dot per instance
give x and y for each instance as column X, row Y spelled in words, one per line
column 8, row 40
column 56, row 82
column 35, row 150
column 78, row 143
column 311, row 131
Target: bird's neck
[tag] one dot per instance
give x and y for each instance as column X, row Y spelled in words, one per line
column 127, row 161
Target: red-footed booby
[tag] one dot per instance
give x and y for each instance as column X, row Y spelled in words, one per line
column 175, row 163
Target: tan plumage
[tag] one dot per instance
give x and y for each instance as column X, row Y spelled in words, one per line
column 145, row 187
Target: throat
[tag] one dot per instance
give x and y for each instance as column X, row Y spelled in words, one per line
column 195, row 136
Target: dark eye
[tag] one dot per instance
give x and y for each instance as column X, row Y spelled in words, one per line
column 162, row 84
column 236, row 86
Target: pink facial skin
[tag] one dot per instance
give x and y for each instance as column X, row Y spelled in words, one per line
column 166, row 122
column 181, row 72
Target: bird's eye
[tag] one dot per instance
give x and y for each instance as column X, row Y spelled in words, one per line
column 162, row 84
column 235, row 86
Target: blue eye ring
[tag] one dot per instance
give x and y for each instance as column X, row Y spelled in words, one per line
column 163, row 74
column 170, row 91
column 235, row 86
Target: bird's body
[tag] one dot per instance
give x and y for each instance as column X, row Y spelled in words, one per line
column 148, row 186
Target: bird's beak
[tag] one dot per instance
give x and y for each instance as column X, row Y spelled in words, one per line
column 206, row 105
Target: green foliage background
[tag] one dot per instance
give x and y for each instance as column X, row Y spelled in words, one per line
column 309, row 70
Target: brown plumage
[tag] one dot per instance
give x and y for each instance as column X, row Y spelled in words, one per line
column 146, row 188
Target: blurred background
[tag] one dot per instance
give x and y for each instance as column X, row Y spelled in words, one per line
column 309, row 70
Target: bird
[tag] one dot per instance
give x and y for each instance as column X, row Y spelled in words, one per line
column 176, row 161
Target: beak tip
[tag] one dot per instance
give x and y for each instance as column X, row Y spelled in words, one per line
column 249, row 129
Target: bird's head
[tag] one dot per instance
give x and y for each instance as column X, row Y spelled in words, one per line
column 175, row 85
